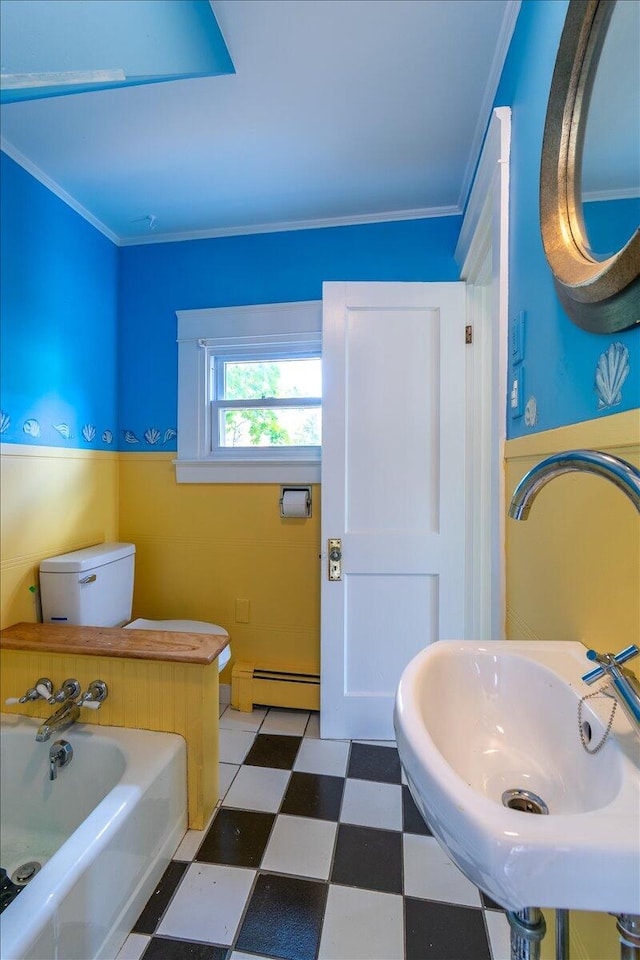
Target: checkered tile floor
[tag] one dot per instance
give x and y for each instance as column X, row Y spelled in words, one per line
column 315, row 852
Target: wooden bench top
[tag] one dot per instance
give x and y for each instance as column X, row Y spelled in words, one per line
column 200, row 648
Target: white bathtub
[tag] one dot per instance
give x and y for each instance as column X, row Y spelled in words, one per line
column 104, row 831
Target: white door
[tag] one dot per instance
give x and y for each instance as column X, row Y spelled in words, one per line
column 393, row 491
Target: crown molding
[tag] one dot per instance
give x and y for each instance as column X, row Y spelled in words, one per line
column 420, row 213
column 56, row 189
column 485, row 113
column 624, row 193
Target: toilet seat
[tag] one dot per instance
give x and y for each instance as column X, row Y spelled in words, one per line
column 184, row 626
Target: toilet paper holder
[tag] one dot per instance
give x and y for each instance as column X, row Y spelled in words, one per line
column 295, row 501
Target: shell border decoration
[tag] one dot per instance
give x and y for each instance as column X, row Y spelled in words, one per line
column 612, row 369
column 31, row 427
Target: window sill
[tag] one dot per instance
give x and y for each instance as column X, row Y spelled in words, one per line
column 235, row 471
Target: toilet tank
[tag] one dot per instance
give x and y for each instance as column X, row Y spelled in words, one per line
column 91, row 587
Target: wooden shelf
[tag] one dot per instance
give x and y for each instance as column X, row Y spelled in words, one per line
column 200, row 648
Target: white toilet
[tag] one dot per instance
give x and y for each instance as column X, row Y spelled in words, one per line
column 94, row 588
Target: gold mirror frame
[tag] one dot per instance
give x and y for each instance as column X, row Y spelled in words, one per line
column 601, row 296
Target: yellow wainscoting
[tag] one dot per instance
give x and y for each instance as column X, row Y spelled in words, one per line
column 147, row 695
column 202, row 547
column 53, row 500
column 573, row 570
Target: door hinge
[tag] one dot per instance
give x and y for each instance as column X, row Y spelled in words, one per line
column 468, row 333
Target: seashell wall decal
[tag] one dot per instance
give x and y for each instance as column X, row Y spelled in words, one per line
column 130, row 436
column 88, row 432
column 31, row 428
column 151, row 435
column 531, row 412
column 107, row 436
column 5, row 421
column 169, row 435
column 63, row 429
column 612, row 370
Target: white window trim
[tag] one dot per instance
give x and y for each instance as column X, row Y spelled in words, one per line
column 200, row 331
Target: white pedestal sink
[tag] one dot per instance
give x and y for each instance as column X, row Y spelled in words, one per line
column 476, row 719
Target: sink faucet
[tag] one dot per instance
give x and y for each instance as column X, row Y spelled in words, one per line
column 626, row 477
column 623, row 681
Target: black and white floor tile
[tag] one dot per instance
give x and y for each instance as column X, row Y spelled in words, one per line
column 316, row 851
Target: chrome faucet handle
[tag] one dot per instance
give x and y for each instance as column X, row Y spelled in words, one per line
column 69, row 690
column 41, row 690
column 95, row 694
column 44, row 688
column 60, row 754
column 608, row 659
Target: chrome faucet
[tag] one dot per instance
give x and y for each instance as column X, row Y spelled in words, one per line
column 621, row 473
column 624, row 683
column 68, row 713
column 64, row 717
column 626, row 477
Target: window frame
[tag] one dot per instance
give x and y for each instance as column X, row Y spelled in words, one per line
column 291, row 329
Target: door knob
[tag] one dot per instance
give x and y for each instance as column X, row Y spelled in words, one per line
column 335, row 559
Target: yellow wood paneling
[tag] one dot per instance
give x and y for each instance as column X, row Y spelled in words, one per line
column 53, row 500
column 200, row 547
column 573, row 568
column 147, row 695
column 573, row 573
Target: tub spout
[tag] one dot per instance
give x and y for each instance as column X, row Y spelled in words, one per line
column 64, row 717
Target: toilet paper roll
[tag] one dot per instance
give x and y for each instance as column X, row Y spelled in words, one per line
column 294, row 503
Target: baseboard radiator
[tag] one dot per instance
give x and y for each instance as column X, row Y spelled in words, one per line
column 254, row 683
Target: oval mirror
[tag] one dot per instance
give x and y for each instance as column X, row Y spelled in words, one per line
column 590, row 171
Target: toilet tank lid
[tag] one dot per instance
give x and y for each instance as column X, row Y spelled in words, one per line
column 88, row 558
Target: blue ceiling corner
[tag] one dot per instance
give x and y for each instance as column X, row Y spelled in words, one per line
column 51, row 48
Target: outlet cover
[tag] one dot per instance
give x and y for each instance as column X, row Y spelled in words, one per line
column 516, row 397
column 242, row 611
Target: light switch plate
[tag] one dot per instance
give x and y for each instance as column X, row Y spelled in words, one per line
column 517, row 338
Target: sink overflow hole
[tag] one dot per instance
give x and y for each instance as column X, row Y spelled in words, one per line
column 525, row 801
column 25, row 872
column 586, row 731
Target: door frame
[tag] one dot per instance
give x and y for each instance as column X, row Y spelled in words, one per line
column 482, row 253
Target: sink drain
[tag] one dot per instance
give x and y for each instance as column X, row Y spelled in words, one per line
column 25, row 872
column 525, row 801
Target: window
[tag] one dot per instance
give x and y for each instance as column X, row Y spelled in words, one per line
column 265, row 401
column 250, row 394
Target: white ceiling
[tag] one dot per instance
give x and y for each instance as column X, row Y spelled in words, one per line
column 339, row 111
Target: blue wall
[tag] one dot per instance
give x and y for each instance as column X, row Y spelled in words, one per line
column 88, row 331
column 158, row 279
column 560, row 358
column 58, row 303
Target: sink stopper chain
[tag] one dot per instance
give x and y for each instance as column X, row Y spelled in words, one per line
column 601, row 692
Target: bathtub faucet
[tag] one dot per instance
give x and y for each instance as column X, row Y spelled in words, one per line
column 64, row 717
column 69, row 712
